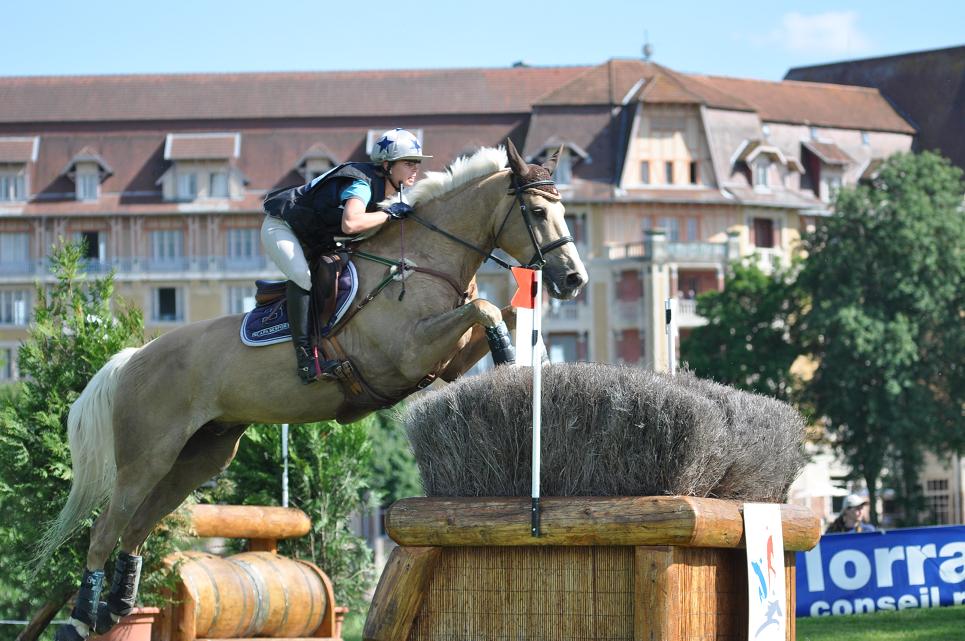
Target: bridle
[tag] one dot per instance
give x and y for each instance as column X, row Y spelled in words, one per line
column 538, row 260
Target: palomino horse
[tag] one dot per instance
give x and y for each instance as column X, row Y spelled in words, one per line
column 156, row 422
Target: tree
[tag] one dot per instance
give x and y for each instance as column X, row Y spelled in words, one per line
column 73, row 333
column 884, row 323
column 746, row 341
column 328, row 479
column 395, row 474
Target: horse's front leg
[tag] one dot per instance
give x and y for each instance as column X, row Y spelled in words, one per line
column 445, row 331
column 475, row 348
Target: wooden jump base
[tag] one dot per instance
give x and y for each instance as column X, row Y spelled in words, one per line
column 636, row 568
column 254, row 594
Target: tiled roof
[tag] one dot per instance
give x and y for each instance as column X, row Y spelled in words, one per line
column 206, row 146
column 813, row 103
column 18, row 150
column 828, row 152
column 392, row 94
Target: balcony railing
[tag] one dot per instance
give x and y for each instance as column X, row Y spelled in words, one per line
column 629, row 312
column 564, row 310
column 711, row 252
column 148, row 265
column 627, row 250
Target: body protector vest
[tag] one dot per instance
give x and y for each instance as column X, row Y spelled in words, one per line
column 314, row 210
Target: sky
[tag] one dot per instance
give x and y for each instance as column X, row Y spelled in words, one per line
column 752, row 38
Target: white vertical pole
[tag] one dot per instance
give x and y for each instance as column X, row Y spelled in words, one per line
column 536, row 361
column 671, row 348
column 284, row 461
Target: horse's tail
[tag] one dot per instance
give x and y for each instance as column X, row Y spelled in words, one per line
column 91, row 437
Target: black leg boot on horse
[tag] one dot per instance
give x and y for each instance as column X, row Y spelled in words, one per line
column 83, row 617
column 309, row 367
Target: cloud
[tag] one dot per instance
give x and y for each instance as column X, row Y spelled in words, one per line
column 829, row 33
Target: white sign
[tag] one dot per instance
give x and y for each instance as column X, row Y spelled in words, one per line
column 766, row 595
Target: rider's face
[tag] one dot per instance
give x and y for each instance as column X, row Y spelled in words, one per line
column 404, row 172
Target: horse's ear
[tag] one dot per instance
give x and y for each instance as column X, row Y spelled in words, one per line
column 516, row 162
column 550, row 165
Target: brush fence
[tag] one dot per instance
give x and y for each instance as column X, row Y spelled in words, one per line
column 254, row 594
column 667, row 568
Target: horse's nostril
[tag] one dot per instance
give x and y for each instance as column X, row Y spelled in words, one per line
column 574, row 280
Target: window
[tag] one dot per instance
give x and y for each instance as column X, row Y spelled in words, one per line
column 187, row 185
column 8, row 370
column 671, row 225
column 764, row 232
column 93, row 244
column 167, row 305
column 576, row 225
column 167, row 244
column 12, row 186
column 241, row 299
column 244, row 242
column 760, row 173
column 668, row 172
column 218, row 185
column 14, row 251
column 865, row 138
column 88, row 186
column 694, row 173
column 563, row 174
column 14, row 307
column 692, row 229
column 562, row 348
column 645, row 172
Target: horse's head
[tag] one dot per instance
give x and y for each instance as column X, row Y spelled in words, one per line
column 535, row 230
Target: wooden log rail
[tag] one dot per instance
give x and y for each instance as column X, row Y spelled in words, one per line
column 263, row 526
column 631, row 520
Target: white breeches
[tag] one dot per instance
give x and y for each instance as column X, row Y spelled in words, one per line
column 282, row 247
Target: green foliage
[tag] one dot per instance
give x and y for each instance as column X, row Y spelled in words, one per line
column 884, row 281
column 747, row 343
column 74, row 332
column 328, row 471
column 395, row 474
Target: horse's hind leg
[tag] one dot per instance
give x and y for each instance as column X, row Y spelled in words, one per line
column 138, row 471
column 207, row 453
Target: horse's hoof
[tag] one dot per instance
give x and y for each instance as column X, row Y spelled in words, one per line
column 105, row 620
column 67, row 632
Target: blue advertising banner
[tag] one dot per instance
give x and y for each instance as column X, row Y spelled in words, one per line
column 896, row 570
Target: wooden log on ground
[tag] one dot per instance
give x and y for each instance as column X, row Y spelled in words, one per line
column 631, row 521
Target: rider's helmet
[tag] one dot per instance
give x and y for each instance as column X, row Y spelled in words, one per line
column 397, row 144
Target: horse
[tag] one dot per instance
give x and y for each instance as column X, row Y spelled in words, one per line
column 158, row 421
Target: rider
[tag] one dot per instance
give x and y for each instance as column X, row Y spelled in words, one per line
column 342, row 202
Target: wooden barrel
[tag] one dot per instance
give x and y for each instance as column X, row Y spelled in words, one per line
column 254, row 594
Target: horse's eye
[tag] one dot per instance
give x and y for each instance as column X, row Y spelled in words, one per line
column 539, row 211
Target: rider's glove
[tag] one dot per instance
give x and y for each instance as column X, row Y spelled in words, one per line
column 398, row 211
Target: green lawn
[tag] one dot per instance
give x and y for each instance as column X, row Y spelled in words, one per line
column 939, row 624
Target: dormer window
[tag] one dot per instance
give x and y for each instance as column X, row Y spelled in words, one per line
column 16, row 156
column 315, row 161
column 88, row 170
column 761, row 168
column 569, row 155
column 202, row 167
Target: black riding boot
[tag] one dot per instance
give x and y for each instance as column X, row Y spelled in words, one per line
column 299, row 302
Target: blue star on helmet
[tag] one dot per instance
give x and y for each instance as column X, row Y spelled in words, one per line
column 415, row 145
column 384, row 143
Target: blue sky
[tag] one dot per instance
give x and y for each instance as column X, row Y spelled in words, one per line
column 753, row 38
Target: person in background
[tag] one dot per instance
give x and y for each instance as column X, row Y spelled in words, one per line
column 853, row 517
column 342, row 202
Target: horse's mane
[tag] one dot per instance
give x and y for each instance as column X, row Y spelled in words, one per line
column 486, row 161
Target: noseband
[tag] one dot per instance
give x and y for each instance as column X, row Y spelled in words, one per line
column 538, row 260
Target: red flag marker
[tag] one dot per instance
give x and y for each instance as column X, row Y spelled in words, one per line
column 526, row 294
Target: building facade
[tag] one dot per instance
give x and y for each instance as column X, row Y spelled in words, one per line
column 667, row 177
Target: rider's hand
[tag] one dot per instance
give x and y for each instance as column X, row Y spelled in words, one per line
column 398, row 211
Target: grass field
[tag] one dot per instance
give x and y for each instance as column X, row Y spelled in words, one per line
column 939, row 624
